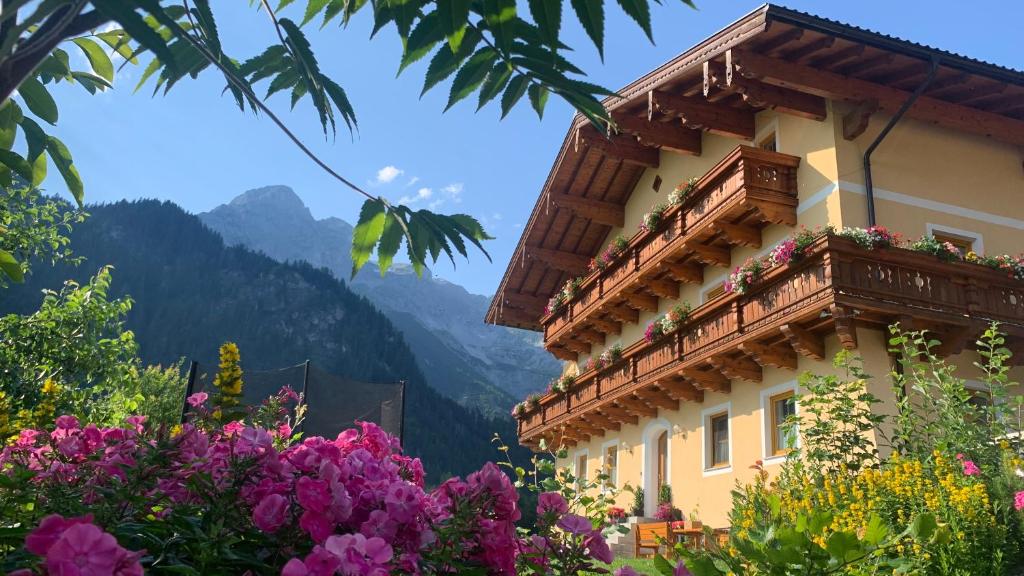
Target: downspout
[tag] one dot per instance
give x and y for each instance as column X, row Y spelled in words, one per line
column 869, row 189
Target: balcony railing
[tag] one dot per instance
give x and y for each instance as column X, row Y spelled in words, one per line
column 789, row 311
column 749, row 189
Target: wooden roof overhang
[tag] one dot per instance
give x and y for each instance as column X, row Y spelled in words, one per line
column 772, row 58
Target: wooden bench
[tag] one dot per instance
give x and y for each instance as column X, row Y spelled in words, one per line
column 651, row 535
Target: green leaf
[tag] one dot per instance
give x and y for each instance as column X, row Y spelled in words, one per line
column 38, row 99
column 204, row 17
column 10, row 117
column 876, row 531
column 390, row 240
column 538, row 98
column 340, row 99
column 135, row 26
column 591, row 16
column 496, row 81
column 923, row 527
column 118, row 42
column 62, row 160
column 445, row 63
column 10, row 266
column 453, row 16
column 640, row 11
column 663, row 566
column 367, row 232
column 548, row 16
column 471, row 75
column 312, row 9
column 841, row 545
column 500, row 16
column 98, row 58
column 16, row 163
column 422, row 39
column 513, row 93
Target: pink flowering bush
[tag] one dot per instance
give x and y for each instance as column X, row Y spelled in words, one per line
column 227, row 500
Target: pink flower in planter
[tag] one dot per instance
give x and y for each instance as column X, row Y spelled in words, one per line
column 271, row 513
column 361, row 555
column 320, row 562
column 970, row 468
column 196, row 400
column 551, row 502
column 86, row 550
column 49, row 531
column 1018, row 501
column 66, row 422
column 575, row 524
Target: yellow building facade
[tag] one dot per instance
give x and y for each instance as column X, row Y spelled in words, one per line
column 699, row 416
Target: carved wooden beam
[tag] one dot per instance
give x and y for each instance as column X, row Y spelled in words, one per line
column 774, row 212
column 624, row 313
column 837, row 57
column 620, row 147
column 577, row 346
column 760, row 95
column 602, row 421
column 641, row 301
column 739, row 234
column 777, row 356
column 803, row 341
column 770, row 46
column 681, row 390
column 663, row 288
column 592, row 336
column 867, row 64
column 846, row 329
column 656, row 398
column 620, row 414
column 684, row 272
column 800, row 53
column 521, row 317
column 607, row 213
column 672, row 136
column 711, row 255
column 559, row 260
column 606, row 326
column 636, row 407
column 563, row 354
column 707, row 380
column 940, row 86
column 855, row 122
column 837, row 86
column 587, row 427
column 524, row 300
column 742, row 368
column 953, row 340
column 700, row 114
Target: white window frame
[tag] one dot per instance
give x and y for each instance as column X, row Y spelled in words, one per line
column 763, row 133
column 767, row 457
column 614, row 479
column 576, row 461
column 705, row 428
column 652, row 430
column 974, row 237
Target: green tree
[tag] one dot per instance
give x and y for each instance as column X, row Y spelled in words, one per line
column 501, row 50
column 32, row 227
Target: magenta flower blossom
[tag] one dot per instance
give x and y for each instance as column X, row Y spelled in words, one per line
column 575, row 524
column 552, row 502
column 1018, row 501
column 681, row 570
column 86, row 550
column 196, row 400
column 66, row 422
column 626, row 571
column 271, row 513
column 598, row 547
column 51, row 527
column 970, row 468
column 361, row 555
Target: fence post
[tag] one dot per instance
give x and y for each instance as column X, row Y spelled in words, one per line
column 305, row 392
column 401, row 419
column 189, row 387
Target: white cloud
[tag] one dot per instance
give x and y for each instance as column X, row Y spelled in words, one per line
column 387, row 174
column 421, row 194
column 497, row 216
column 453, row 191
column 412, row 181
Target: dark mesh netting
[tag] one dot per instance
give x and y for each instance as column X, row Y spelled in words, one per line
column 333, row 403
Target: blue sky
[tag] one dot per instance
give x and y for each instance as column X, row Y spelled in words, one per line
column 195, row 148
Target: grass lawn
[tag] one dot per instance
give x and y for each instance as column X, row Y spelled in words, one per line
column 641, row 565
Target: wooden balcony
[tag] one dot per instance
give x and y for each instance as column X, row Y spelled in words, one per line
column 728, row 207
column 835, row 287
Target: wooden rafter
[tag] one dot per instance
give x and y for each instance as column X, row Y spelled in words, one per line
column 663, row 288
column 681, row 390
column 711, row 255
column 607, row 213
column 672, row 136
column 867, row 64
column 684, row 272
column 591, row 336
column 803, row 341
column 559, row 260
column 603, row 421
column 760, row 95
column 636, row 407
column 606, row 326
column 739, row 234
column 837, row 57
column 624, row 313
column 742, row 368
column 640, row 301
column 524, row 300
column 657, row 399
column 846, row 328
column 836, row 86
column 519, row 317
column 855, row 122
column 775, row 356
column 563, row 354
column 620, row 414
column 707, row 379
column 800, row 53
column 620, row 147
column 577, row 346
column 773, row 44
column 699, row 114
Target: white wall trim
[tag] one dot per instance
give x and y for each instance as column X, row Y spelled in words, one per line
column 705, row 437
column 766, row 394
column 649, row 472
column 604, row 452
column 975, row 237
column 916, row 201
column 575, row 462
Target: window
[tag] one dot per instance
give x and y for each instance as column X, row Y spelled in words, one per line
column 964, row 245
column 662, row 459
column 720, row 440
column 769, row 142
column 782, row 406
column 611, row 464
column 581, row 468
column 714, row 292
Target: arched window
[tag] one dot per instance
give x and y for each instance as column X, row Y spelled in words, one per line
column 662, row 460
